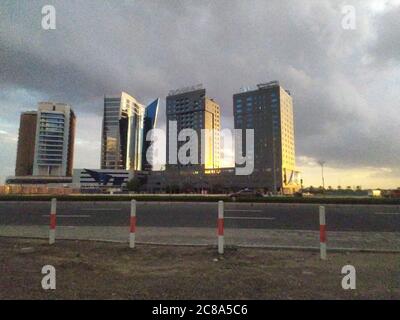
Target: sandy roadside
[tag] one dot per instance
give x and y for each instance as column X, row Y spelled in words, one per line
column 98, row 270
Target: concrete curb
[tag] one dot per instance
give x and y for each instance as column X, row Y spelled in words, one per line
column 269, row 247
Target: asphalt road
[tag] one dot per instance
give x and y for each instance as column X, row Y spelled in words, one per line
column 376, row 218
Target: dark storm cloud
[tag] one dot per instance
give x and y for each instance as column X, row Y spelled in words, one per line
column 149, row 47
column 61, row 80
column 386, row 47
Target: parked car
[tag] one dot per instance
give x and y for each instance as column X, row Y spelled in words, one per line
column 303, row 194
column 245, row 193
column 393, row 193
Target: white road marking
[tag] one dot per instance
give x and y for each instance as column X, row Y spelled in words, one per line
column 251, row 218
column 387, row 212
column 69, row 216
column 102, row 209
column 243, row 210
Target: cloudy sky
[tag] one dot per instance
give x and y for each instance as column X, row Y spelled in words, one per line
column 345, row 83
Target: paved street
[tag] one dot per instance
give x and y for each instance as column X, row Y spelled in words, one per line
column 364, row 218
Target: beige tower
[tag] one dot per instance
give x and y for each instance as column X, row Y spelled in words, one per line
column 212, row 135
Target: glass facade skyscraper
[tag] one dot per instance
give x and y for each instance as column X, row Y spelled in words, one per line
column 126, row 123
column 122, row 133
column 150, row 122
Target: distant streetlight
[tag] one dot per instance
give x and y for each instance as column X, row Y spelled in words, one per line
column 322, row 163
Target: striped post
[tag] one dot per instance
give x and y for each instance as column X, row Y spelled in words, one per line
column 52, row 231
column 132, row 231
column 220, row 227
column 322, row 232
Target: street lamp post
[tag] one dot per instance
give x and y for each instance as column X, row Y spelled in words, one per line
column 322, row 163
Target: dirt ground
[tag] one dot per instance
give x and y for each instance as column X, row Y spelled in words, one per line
column 98, row 270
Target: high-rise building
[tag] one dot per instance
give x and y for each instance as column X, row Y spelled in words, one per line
column 122, row 133
column 26, row 144
column 269, row 111
column 150, row 122
column 54, row 142
column 190, row 108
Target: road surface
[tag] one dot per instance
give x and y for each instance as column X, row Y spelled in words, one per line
column 368, row 218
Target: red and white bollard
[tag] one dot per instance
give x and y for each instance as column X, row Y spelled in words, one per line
column 132, row 230
column 220, row 227
column 322, row 232
column 52, row 231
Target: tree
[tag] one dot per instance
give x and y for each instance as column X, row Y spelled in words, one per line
column 134, row 184
column 172, row 189
column 217, row 188
column 187, row 187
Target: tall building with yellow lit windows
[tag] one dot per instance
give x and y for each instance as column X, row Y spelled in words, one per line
column 212, row 137
column 191, row 108
column 268, row 110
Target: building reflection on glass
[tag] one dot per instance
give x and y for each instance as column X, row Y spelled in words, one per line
column 123, row 134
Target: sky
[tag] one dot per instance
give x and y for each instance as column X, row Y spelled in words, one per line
column 344, row 82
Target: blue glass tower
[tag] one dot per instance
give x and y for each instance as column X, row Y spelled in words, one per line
column 150, row 121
